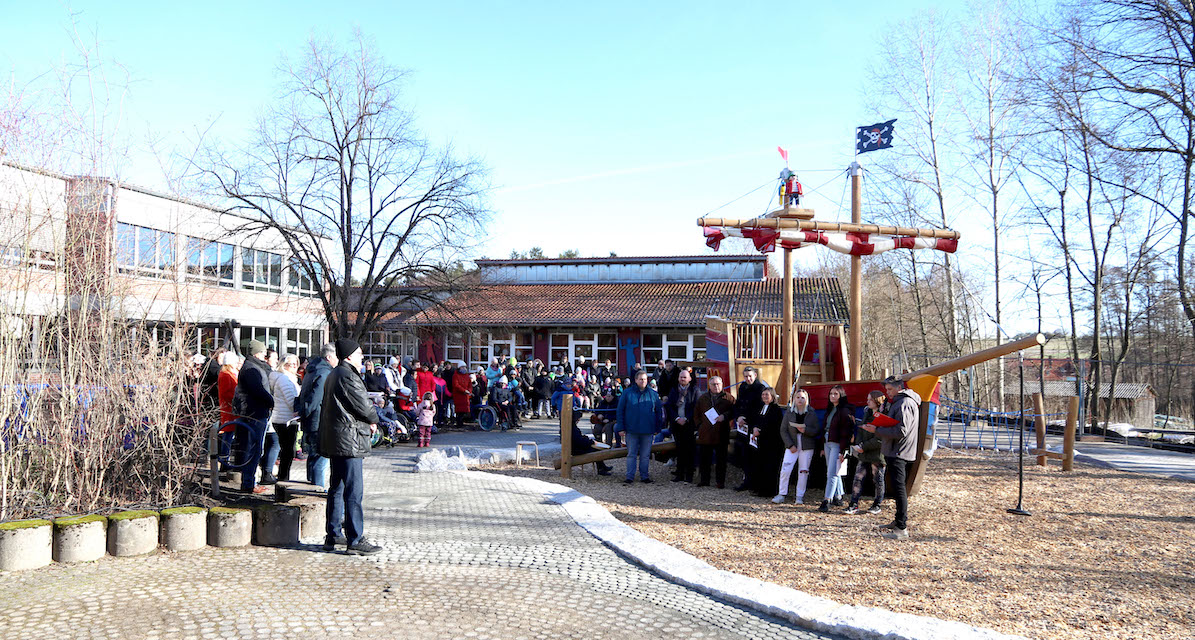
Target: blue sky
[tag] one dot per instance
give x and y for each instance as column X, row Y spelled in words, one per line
column 617, row 123
column 606, row 126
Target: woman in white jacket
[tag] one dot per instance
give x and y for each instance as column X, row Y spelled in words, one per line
column 284, row 385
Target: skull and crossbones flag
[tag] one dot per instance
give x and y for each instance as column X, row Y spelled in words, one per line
column 874, row 137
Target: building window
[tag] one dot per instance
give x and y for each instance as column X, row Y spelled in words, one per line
column 594, row 347
column 261, row 270
column 455, row 348
column 383, row 344
column 144, row 250
column 678, row 347
column 301, row 281
column 209, row 260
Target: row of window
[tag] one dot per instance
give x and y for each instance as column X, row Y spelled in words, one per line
column 148, row 251
column 476, row 348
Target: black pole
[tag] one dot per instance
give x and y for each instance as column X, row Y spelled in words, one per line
column 1020, row 509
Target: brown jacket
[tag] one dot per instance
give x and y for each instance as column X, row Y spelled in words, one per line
column 713, row 434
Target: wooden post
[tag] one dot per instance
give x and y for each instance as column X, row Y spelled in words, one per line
column 1068, row 435
column 787, row 371
column 732, row 347
column 1039, row 425
column 566, row 436
column 856, row 301
column 821, row 354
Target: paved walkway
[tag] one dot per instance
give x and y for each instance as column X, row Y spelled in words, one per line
column 1122, row 457
column 465, row 557
column 541, row 431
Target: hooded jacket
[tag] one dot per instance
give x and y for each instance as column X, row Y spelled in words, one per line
column 900, row 441
column 346, row 414
column 252, row 398
column 311, row 396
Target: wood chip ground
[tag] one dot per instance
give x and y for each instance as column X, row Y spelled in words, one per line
column 1105, row 554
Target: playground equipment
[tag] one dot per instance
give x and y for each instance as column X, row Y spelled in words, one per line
column 794, row 228
column 567, row 460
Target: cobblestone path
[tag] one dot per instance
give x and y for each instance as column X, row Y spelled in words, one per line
column 464, row 558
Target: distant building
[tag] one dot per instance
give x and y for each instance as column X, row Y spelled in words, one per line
column 1132, row 402
column 168, row 262
column 625, row 309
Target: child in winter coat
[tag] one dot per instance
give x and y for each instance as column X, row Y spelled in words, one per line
column 425, row 416
column 867, row 450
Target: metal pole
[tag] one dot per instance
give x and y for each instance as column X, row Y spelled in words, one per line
column 856, row 303
column 1020, row 508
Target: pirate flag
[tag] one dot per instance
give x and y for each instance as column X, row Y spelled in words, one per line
column 874, row 137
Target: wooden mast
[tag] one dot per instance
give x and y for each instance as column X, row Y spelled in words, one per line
column 787, row 366
column 856, row 301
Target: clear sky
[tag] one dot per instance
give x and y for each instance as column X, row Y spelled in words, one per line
column 607, row 126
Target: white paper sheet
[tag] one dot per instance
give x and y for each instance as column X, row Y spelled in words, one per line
column 711, row 415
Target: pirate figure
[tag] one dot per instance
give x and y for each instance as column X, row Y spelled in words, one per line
column 790, row 188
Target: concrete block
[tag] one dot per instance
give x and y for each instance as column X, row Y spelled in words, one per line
column 276, row 525
column 229, row 527
column 26, row 544
column 80, row 538
column 184, row 528
column 132, row 533
column 312, row 517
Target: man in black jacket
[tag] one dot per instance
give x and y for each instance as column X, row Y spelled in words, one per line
column 679, row 409
column 748, row 402
column 311, row 399
column 347, row 418
column 252, row 402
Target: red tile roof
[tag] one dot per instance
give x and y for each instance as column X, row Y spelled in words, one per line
column 634, row 304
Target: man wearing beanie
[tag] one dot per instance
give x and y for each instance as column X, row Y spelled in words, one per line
column 347, row 419
column 252, row 402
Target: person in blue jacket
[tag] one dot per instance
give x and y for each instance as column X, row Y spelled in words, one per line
column 640, row 415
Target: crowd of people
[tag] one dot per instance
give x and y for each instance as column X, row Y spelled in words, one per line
column 770, row 441
column 324, row 411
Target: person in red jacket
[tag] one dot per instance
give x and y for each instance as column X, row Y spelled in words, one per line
column 462, row 392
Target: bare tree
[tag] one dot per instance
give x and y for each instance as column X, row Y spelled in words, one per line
column 1141, row 59
column 989, row 101
column 369, row 209
column 914, row 60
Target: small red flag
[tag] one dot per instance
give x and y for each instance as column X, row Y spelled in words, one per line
column 783, row 154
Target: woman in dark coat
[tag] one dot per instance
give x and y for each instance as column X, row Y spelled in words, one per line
column 765, row 458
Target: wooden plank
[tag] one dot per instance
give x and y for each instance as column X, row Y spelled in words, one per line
column 610, row 454
column 1068, row 434
column 1039, row 426
column 1046, row 453
column 791, row 213
column 566, row 436
column 956, row 364
column 815, row 225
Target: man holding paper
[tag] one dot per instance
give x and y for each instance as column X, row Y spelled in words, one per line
column 712, row 415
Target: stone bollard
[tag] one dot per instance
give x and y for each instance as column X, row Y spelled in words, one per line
column 229, row 527
column 26, row 544
column 132, row 533
column 184, row 528
column 80, row 538
column 276, row 525
column 312, row 517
